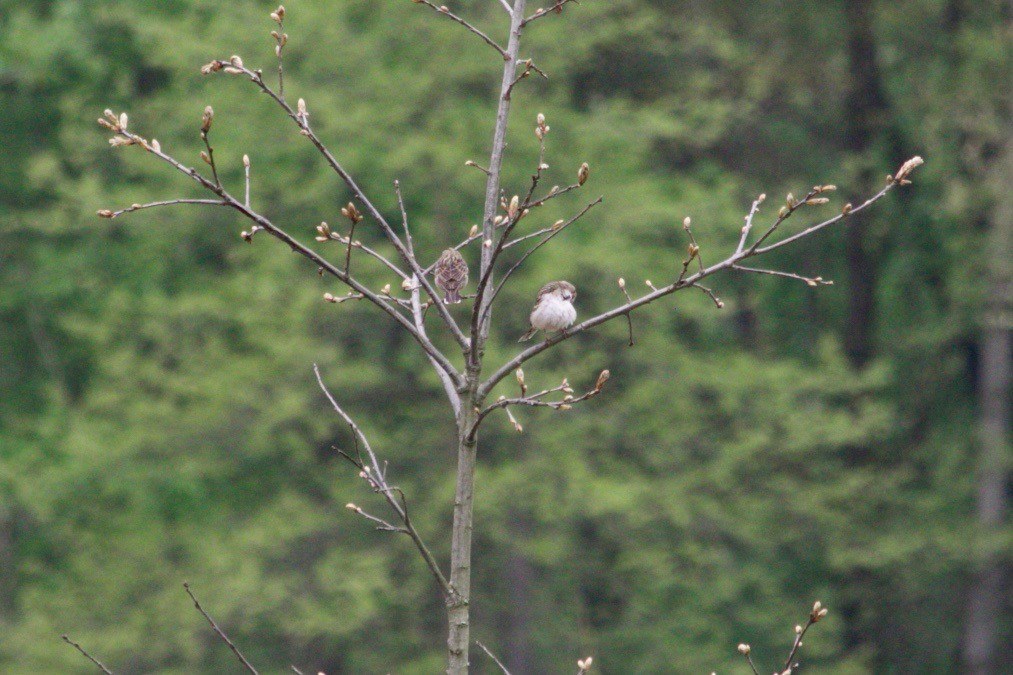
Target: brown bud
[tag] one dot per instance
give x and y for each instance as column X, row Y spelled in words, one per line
column 582, row 173
column 602, row 379
column 817, row 201
column 155, row 145
column 351, row 212
column 512, row 208
column 686, row 222
column 784, row 212
column 558, row 224
column 208, row 117
column 473, row 231
column 329, row 298
column 693, row 250
column 846, row 209
column 908, row 166
column 205, row 156
column 744, row 649
column 105, row 213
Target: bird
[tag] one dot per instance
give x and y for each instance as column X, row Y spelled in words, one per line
column 451, row 275
column 553, row 309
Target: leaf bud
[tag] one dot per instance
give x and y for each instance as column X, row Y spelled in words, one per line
column 744, row 649
column 582, row 173
column 105, row 213
column 686, row 222
column 207, row 119
column 512, row 208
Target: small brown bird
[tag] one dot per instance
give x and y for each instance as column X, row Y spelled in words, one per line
column 451, row 274
column 553, row 309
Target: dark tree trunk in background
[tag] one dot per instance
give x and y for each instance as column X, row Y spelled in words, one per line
column 866, row 119
column 986, row 601
column 520, row 656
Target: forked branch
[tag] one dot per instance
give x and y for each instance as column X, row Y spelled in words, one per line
column 694, row 279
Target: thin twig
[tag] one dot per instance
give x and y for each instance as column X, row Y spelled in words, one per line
column 535, row 401
column 404, row 219
column 87, row 655
column 167, row 202
column 219, row 631
column 246, row 171
column 529, row 66
column 557, row 8
column 450, row 15
column 756, row 250
column 506, row 6
column 749, row 222
column 751, row 664
column 629, row 319
column 493, row 657
column 377, row 477
column 372, row 253
column 348, row 250
column 280, row 39
column 210, row 156
column 813, row 281
column 717, row 301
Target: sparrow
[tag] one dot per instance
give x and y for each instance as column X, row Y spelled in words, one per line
column 553, row 309
column 451, row 274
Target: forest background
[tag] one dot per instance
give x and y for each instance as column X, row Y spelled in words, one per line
column 160, row 422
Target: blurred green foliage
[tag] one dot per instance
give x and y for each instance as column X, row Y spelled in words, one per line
column 159, row 420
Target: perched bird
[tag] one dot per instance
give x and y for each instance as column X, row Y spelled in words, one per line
column 451, row 275
column 553, row 309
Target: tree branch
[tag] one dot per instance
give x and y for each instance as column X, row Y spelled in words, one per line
column 378, row 481
column 219, row 631
column 493, row 657
column 263, row 223
column 87, row 655
column 557, row 8
column 301, row 118
column 450, row 15
column 657, row 293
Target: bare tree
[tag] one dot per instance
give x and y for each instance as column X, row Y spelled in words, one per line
column 468, row 381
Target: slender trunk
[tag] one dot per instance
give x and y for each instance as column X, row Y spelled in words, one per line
column 458, row 607
column 986, row 597
column 458, row 616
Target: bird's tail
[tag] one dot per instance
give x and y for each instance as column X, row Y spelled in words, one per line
column 530, row 334
column 453, row 297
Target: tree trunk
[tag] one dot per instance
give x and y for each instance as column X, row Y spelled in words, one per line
column 986, row 597
column 866, row 115
column 459, row 625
